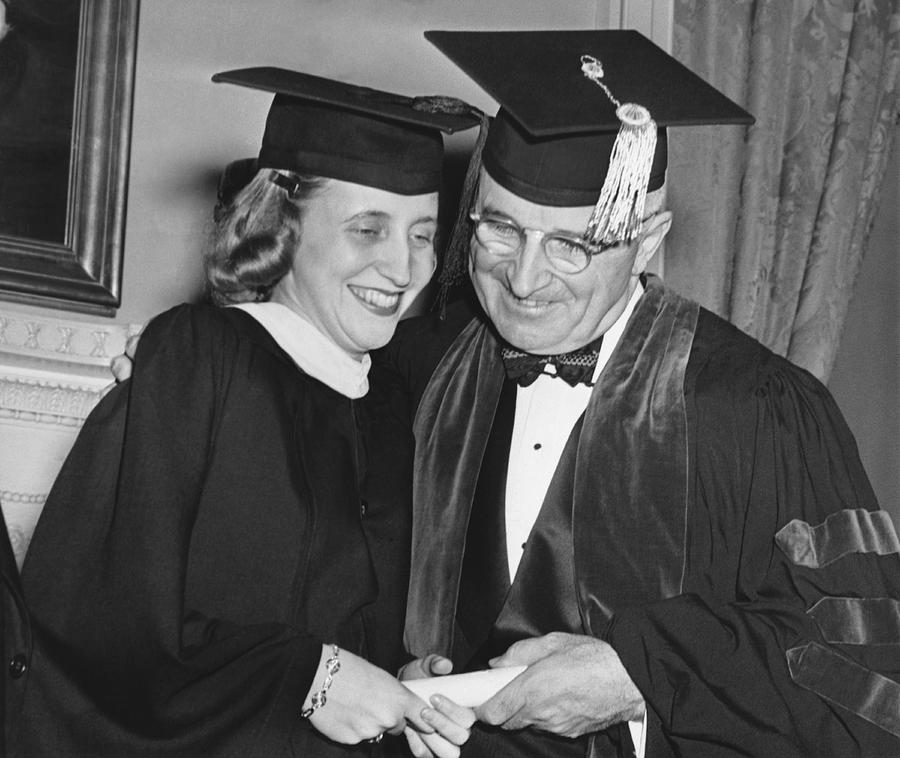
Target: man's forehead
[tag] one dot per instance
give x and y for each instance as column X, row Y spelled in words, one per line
column 495, row 197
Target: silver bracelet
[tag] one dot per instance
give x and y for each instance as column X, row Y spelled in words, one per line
column 332, row 666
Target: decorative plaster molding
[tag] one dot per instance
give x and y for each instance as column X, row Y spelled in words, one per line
column 88, row 343
column 23, row 498
column 53, row 371
column 19, row 540
column 21, row 511
column 46, row 401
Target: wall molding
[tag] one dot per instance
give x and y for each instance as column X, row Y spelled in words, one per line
column 46, row 401
column 73, row 343
column 53, row 371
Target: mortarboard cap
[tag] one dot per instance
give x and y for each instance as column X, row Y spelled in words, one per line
column 342, row 131
column 554, row 135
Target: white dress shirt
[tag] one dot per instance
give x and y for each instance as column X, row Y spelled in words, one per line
column 546, row 412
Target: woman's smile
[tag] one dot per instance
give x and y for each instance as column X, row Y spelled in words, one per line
column 376, row 300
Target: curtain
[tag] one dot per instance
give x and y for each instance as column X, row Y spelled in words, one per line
column 771, row 221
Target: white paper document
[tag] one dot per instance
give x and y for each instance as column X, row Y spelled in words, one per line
column 470, row 690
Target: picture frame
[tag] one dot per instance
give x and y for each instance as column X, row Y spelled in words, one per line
column 83, row 273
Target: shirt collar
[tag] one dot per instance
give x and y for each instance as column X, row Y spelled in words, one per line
column 313, row 352
column 612, row 335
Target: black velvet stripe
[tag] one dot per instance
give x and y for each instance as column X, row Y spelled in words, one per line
column 866, row 693
column 842, row 533
column 484, row 581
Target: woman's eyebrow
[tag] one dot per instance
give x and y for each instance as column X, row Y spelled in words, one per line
column 385, row 216
column 380, row 215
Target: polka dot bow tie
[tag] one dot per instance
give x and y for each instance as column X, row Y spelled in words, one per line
column 574, row 368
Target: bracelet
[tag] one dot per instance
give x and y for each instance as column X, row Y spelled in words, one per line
column 332, row 666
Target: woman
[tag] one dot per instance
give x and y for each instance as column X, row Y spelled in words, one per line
column 214, row 564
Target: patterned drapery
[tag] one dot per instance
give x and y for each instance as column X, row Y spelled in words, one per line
column 772, row 221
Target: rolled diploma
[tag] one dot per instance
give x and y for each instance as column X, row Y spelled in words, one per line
column 470, row 690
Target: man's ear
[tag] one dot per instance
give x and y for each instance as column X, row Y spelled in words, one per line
column 655, row 230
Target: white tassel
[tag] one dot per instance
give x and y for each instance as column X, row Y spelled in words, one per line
column 620, row 208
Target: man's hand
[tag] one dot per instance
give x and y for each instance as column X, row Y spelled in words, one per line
column 573, row 685
column 121, row 365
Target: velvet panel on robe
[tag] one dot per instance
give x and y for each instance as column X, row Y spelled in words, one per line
column 720, row 660
column 205, row 536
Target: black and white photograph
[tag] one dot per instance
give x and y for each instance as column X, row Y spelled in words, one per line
column 450, row 378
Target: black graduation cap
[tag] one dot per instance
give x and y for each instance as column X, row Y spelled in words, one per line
column 342, row 131
column 559, row 126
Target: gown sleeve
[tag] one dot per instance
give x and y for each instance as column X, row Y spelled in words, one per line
column 786, row 640
column 116, row 641
column 406, row 363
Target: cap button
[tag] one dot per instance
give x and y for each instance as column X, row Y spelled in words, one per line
column 632, row 114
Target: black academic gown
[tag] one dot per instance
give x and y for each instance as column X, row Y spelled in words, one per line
column 16, row 638
column 214, row 524
column 726, row 540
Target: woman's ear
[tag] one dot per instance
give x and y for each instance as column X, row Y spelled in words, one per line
column 655, row 230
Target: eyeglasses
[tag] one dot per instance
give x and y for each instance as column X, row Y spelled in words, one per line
column 503, row 239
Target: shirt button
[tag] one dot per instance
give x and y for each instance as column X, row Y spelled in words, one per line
column 363, row 507
column 18, row 666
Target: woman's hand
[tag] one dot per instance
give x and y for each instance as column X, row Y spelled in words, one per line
column 363, row 702
column 451, row 722
column 422, row 668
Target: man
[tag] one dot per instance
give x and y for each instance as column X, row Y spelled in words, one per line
column 686, row 543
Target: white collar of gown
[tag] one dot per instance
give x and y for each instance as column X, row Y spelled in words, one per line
column 312, row 351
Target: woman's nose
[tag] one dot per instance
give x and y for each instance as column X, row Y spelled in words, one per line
column 394, row 262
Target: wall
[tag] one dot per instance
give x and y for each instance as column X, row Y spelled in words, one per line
column 187, row 128
column 54, row 364
column 865, row 380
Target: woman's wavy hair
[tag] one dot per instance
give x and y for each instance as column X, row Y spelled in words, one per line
column 255, row 235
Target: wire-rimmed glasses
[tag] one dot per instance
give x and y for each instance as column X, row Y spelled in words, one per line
column 502, row 239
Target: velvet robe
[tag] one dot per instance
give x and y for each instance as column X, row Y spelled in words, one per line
column 221, row 515
column 751, row 590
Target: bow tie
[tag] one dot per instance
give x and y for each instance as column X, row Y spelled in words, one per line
column 574, row 368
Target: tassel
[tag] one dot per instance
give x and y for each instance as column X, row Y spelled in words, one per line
column 619, row 210
column 456, row 253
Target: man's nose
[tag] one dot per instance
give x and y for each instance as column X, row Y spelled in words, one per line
column 529, row 271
